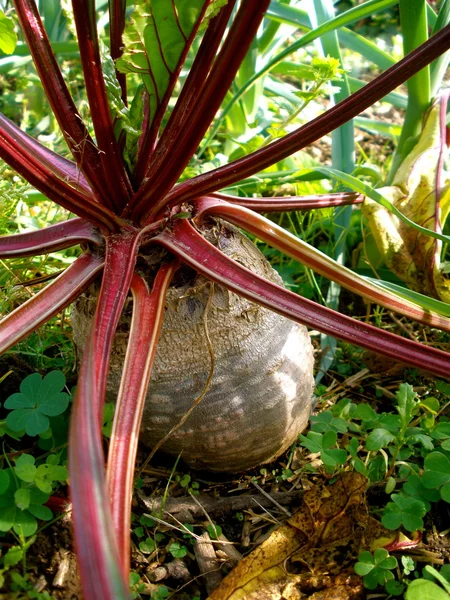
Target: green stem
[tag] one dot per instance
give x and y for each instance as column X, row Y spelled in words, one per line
column 414, row 22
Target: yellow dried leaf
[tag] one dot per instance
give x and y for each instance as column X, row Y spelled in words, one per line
column 311, row 555
column 415, row 257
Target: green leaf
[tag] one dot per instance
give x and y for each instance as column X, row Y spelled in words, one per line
column 362, row 569
column 379, row 438
column 215, row 531
column 394, row 588
column 8, row 37
column 414, row 435
column 24, row 523
column 25, row 468
column 312, row 441
column 38, row 398
column 127, row 121
column 406, row 402
column 414, row 487
column 19, row 401
column 22, row 498
column 31, row 385
column 21, row 521
column 13, row 556
column 148, row 546
column 436, row 470
column 421, row 589
column 445, row 492
column 4, row 481
column 404, row 511
column 156, row 41
column 177, row 550
column 43, row 513
column 365, row 412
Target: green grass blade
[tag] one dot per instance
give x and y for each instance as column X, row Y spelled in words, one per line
column 391, row 130
column 425, row 302
column 358, row 186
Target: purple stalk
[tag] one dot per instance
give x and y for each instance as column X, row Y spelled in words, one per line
column 117, row 184
column 100, row 565
column 186, row 243
column 56, row 164
column 97, row 552
column 52, row 238
column 74, row 130
column 54, row 188
column 190, row 94
column 287, row 203
column 279, row 238
column 170, row 166
column 120, row 259
column 303, row 136
column 148, row 314
column 58, row 294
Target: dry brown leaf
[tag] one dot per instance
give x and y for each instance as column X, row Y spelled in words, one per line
column 311, row 555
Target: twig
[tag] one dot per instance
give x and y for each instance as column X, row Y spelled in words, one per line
column 207, row 562
column 185, row 506
column 272, row 499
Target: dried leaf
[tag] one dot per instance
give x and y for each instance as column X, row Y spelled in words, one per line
column 413, row 256
column 311, row 555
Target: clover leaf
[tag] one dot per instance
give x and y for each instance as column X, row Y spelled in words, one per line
column 147, row 546
column 42, row 476
column 404, row 511
column 375, row 569
column 14, row 515
column 37, row 400
column 414, row 488
column 177, row 550
column 323, row 443
column 437, row 474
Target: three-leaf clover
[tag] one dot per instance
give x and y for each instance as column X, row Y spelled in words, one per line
column 37, row 400
column 323, row 443
column 404, row 511
column 375, row 569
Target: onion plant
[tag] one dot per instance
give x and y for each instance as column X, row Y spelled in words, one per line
column 126, row 187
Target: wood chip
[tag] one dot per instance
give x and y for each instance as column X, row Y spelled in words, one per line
column 59, row 581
